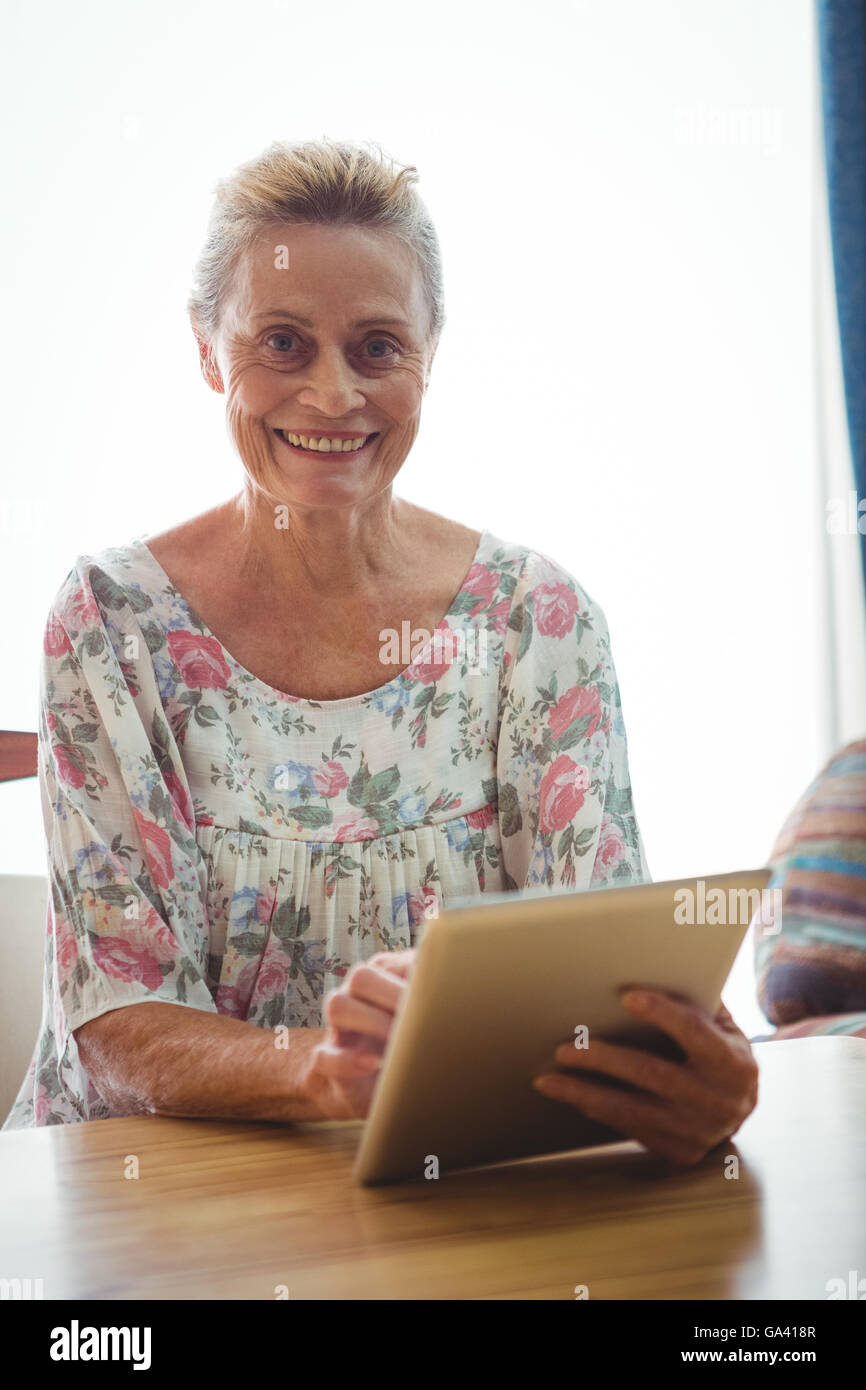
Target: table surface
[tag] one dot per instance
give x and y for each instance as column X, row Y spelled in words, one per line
column 256, row 1211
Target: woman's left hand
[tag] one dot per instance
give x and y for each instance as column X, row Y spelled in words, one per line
column 683, row 1109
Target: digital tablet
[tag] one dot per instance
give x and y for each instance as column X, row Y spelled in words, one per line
column 501, row 980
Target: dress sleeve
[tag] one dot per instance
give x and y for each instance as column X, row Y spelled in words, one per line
column 566, row 810
column 127, row 887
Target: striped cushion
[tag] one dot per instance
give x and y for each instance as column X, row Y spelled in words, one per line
column 847, row 1025
column 815, row 966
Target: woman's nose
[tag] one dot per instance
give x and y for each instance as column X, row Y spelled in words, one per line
column 330, row 385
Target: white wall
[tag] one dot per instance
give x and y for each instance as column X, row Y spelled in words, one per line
column 623, row 196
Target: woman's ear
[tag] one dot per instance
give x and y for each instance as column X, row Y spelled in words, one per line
column 208, row 363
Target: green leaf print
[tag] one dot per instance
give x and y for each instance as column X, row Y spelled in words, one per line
column 154, row 637
column 574, row 733
column 248, row 943
column 159, row 738
column 383, row 784
column 618, row 802
column 248, row 827
column 288, row 922
column 85, row 733
column 509, row 810
column 526, row 636
column 106, row 591
column 312, row 816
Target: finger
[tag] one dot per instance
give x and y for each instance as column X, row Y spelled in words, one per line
column 697, row 1034
column 359, row 1042
column 675, row 1148
column 669, row 1080
column 631, row 1115
column 725, row 1021
column 383, row 988
column 344, row 1011
column 398, row 962
column 342, row 1063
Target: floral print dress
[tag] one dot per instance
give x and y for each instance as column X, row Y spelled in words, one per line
column 220, row 845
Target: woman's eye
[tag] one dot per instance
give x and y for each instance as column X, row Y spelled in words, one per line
column 279, row 341
column 378, row 349
column 382, row 343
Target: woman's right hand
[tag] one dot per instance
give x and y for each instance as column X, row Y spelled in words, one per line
column 343, row 1068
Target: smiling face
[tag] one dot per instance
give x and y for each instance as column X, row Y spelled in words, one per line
column 326, row 351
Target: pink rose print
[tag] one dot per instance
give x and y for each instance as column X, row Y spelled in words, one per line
column 482, row 583
column 445, row 647
column 85, row 608
column 157, row 849
column 65, row 945
column 611, row 847
column 234, row 1000
column 178, row 717
column 42, row 1105
column 68, row 766
column 580, row 702
column 265, row 904
column 498, row 616
column 561, row 794
column 56, row 641
column 555, row 607
column 273, row 977
column 364, row 828
column 200, row 660
column 180, row 799
column 421, row 902
column 159, row 934
column 126, row 962
column 480, row 819
column 330, row 778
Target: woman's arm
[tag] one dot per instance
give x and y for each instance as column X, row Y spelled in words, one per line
column 566, row 809
column 164, row 1059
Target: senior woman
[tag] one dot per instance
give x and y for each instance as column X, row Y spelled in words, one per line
column 254, row 795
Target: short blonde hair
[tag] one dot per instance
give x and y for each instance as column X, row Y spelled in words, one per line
column 315, row 181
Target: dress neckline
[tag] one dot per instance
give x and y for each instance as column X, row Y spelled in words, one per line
column 403, row 679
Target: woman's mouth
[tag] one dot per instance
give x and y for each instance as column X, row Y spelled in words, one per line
column 320, row 444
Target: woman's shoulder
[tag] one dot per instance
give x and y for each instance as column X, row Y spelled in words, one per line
column 106, row 579
column 139, row 564
column 540, row 582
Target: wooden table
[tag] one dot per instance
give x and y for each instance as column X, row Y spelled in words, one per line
column 238, row 1210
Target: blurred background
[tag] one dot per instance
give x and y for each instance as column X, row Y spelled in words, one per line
column 630, row 200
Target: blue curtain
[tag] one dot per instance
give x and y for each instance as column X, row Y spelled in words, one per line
column 842, row 51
